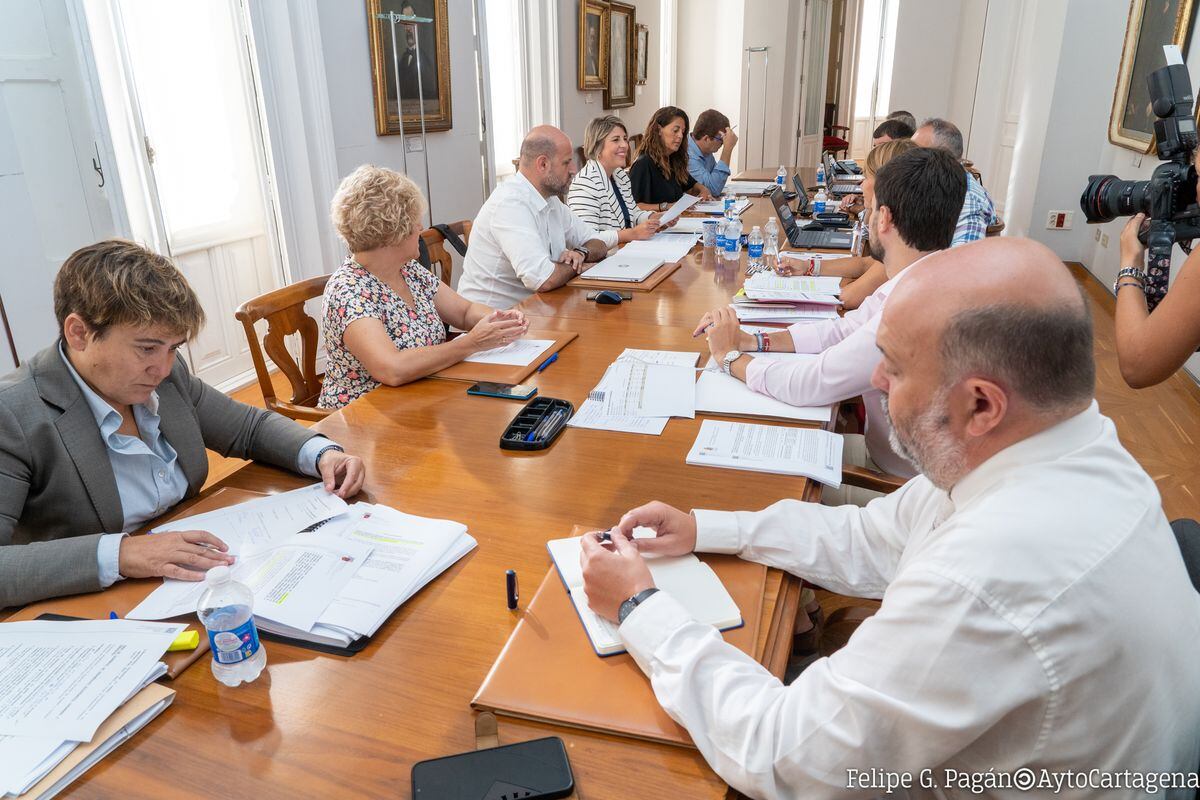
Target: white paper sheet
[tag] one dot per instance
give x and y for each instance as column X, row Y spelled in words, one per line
column 590, row 414
column 749, row 187
column 769, row 281
column 670, row 247
column 264, row 520
column 678, row 207
column 807, row 255
column 61, row 680
column 780, row 314
column 718, row 206
column 674, row 358
column 634, row 388
column 718, row 393
column 516, row 354
column 808, row 452
column 687, row 225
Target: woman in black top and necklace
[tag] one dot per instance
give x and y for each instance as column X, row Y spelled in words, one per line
column 660, row 174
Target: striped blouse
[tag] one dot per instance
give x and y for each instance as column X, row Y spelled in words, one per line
column 592, row 198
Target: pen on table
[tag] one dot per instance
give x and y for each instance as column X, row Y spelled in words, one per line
column 113, row 615
column 510, row 585
column 546, row 425
column 548, row 362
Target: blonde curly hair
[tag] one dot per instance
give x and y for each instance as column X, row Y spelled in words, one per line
column 376, row 207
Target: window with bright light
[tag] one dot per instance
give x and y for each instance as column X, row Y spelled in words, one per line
column 197, row 117
column 876, row 51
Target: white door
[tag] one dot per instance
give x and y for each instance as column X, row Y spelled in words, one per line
column 53, row 199
column 811, row 130
column 181, row 83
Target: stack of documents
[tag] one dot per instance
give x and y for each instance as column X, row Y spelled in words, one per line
column 666, row 247
column 687, row 225
column 718, row 393
column 64, row 689
column 767, row 297
column 686, row 578
column 330, row 575
column 640, row 391
column 718, row 206
column 749, row 187
column 807, row 452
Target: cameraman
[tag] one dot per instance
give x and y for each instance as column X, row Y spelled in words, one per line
column 1150, row 347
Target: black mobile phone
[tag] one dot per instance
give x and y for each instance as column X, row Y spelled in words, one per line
column 533, row 770
column 507, row 391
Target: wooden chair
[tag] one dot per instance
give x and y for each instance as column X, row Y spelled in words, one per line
column 635, row 146
column 435, row 243
column 580, row 158
column 283, row 309
column 835, row 136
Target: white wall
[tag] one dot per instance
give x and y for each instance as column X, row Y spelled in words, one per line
column 709, row 59
column 455, row 171
column 924, row 68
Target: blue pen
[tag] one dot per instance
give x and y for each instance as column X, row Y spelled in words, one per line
column 113, row 615
column 548, row 362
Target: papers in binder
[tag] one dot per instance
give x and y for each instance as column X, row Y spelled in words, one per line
column 806, row 452
column 718, row 393
column 781, row 285
column 686, row 578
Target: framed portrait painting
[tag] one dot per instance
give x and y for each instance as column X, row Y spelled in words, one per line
column 1151, row 24
column 622, row 39
column 593, row 45
column 642, row 56
column 424, row 70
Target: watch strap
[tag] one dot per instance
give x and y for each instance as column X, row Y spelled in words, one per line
column 323, row 451
column 631, row 603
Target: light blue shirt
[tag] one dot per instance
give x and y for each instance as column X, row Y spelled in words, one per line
column 149, row 478
column 706, row 169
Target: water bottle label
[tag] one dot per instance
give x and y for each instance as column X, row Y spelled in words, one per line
column 232, row 647
column 756, row 251
column 819, row 207
column 731, row 244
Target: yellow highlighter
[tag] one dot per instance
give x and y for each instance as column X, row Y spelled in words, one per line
column 188, row 640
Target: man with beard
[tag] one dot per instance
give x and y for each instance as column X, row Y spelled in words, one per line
column 916, row 200
column 1036, row 615
column 524, row 239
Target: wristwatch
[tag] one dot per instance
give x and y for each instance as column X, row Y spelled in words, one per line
column 727, row 361
column 583, row 251
column 323, row 451
column 1135, row 273
column 629, row 605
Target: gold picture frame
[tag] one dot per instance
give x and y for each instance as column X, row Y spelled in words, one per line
column 435, row 67
column 593, row 45
column 622, row 55
column 1131, row 123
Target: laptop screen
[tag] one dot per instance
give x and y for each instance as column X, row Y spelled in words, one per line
column 801, row 194
column 784, row 212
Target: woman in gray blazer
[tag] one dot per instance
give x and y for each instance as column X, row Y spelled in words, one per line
column 106, row 429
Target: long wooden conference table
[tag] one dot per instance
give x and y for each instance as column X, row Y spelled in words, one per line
column 319, row 725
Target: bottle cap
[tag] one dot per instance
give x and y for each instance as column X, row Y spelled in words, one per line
column 217, row 576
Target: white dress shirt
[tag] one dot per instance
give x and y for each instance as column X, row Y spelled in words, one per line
column 516, row 239
column 1038, row 616
column 146, row 468
column 843, row 369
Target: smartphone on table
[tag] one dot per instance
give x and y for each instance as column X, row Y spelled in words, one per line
column 507, row 391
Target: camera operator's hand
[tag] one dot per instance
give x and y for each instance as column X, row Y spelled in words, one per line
column 1133, row 252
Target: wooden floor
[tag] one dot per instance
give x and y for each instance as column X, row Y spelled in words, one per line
column 1159, row 425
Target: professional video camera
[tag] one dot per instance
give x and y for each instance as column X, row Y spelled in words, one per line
column 1169, row 198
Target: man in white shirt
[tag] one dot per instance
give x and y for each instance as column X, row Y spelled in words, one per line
column 524, row 239
column 915, row 202
column 1036, row 611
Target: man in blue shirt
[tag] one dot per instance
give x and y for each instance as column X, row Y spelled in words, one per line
column 710, row 134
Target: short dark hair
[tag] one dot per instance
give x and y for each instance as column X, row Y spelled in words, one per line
column 946, row 135
column 1044, row 355
column 924, row 189
column 904, row 116
column 893, row 129
column 709, row 123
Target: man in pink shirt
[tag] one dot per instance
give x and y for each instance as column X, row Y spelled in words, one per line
column 917, row 199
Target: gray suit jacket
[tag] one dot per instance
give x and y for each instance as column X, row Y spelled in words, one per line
column 58, row 494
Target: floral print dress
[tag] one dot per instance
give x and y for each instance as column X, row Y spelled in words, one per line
column 354, row 293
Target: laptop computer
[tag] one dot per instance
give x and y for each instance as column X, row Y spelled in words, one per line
column 828, row 239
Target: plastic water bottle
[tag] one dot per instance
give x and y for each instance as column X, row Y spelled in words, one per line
column 771, row 245
column 729, row 200
column 858, row 244
column 733, row 240
column 819, row 202
column 754, row 248
column 820, row 173
column 781, row 177
column 722, row 224
column 227, row 611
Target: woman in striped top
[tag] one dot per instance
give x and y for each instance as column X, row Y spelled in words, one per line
column 600, row 195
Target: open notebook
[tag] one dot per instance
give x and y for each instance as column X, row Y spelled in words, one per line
column 686, row 578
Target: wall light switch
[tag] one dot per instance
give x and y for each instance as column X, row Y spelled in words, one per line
column 589, row 97
column 1104, row 240
column 1097, row 235
column 413, row 144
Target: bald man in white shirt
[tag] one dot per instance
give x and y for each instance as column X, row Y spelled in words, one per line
column 524, row 239
column 1036, row 611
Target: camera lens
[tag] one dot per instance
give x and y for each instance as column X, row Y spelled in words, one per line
column 1107, row 197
